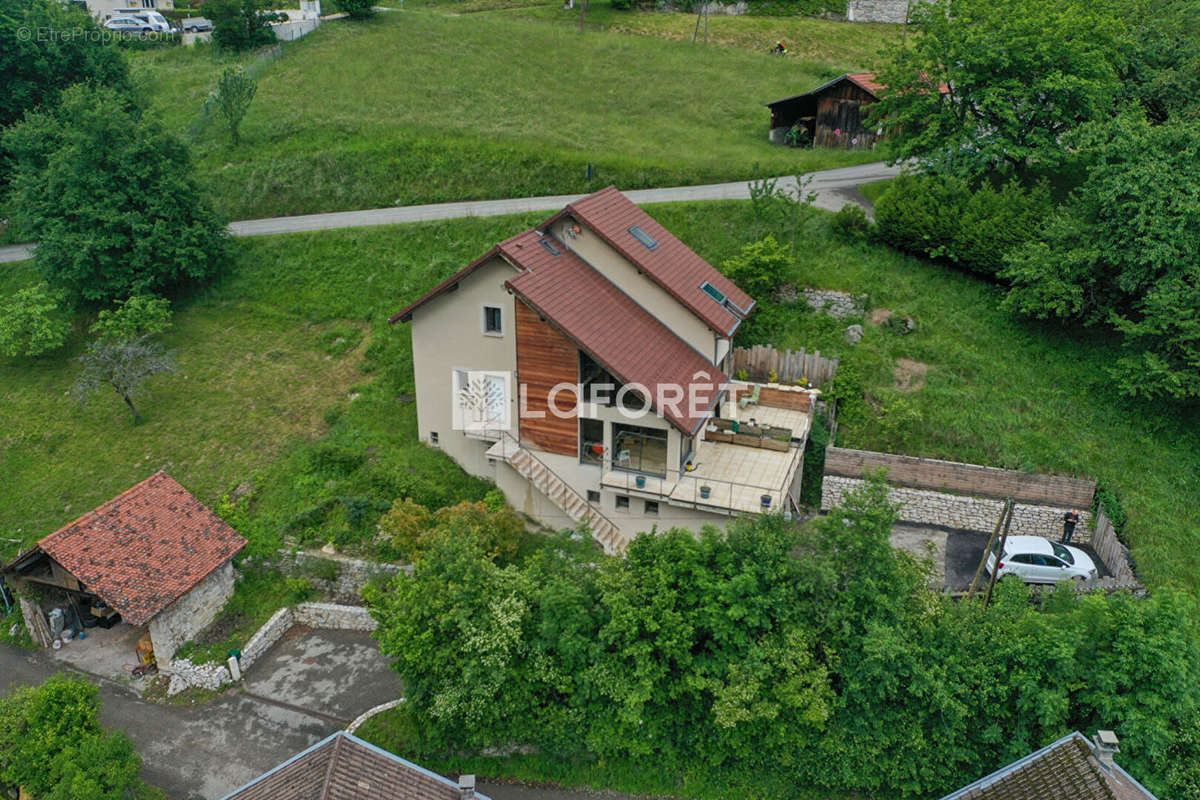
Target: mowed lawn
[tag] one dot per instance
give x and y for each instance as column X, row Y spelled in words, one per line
column 292, row 353
column 419, row 106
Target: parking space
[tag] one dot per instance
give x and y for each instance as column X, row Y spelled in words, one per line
column 339, row 674
column 957, row 553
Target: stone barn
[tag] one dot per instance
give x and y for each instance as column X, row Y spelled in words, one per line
column 832, row 115
column 154, row 558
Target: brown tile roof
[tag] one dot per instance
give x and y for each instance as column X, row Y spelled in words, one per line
column 863, row 80
column 1064, row 770
column 344, row 767
column 145, row 548
column 672, row 264
column 614, row 330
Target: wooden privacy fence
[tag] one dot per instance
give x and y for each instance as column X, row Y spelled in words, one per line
column 1109, row 548
column 788, row 365
column 972, row 479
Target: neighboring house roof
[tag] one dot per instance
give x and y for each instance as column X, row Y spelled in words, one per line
column 863, row 80
column 1065, row 769
column 614, row 330
column 671, row 264
column 145, row 548
column 344, row 767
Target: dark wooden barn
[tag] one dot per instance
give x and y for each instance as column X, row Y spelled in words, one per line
column 832, row 115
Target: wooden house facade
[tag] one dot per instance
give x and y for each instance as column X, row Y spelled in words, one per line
column 832, row 115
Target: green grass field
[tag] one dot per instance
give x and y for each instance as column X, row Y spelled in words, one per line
column 421, row 106
column 293, row 383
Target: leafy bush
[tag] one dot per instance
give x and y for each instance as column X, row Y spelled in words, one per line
column 850, row 223
column 52, row 744
column 111, row 200
column 358, row 9
column 412, row 528
column 759, row 267
column 232, row 97
column 142, row 315
column 814, row 462
column 942, row 217
column 32, row 322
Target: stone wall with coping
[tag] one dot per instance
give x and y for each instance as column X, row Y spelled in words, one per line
column 962, row 512
column 186, row 675
column 190, row 614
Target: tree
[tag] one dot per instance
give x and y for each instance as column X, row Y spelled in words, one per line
column 110, row 198
column 138, row 316
column 357, row 9
column 985, row 86
column 240, row 24
column 1160, row 67
column 123, row 365
column 67, row 50
column 32, row 322
column 232, row 97
column 52, row 745
column 1123, row 252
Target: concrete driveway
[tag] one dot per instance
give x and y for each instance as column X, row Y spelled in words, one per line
column 337, row 674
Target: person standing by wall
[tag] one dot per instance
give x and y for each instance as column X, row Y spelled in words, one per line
column 1070, row 520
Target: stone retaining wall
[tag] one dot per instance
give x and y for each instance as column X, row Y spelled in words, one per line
column 964, row 512
column 349, row 575
column 186, row 675
column 879, row 10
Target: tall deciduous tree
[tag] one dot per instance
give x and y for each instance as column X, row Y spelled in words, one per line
column 985, row 86
column 240, row 24
column 110, row 199
column 1124, row 250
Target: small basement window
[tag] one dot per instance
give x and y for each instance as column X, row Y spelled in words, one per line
column 622, row 501
column 651, row 508
column 643, row 237
column 493, row 320
column 713, row 292
column 433, row 437
column 593, row 496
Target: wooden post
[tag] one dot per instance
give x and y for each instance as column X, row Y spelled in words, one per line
column 987, row 601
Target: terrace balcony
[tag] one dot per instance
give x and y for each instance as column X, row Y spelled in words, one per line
column 747, row 461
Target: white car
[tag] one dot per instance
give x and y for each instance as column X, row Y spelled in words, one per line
column 1035, row 559
column 151, row 20
column 128, row 25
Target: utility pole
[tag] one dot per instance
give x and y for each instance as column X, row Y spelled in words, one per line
column 987, row 601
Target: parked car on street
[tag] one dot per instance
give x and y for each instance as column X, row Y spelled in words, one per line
column 1035, row 559
column 128, row 25
column 196, row 25
column 151, row 19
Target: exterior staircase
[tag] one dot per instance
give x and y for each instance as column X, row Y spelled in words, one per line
column 573, row 504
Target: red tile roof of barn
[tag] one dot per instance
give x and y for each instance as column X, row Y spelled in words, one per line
column 145, row 548
column 614, row 330
column 865, row 81
column 672, row 264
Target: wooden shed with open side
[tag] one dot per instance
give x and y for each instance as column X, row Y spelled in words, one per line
column 832, row 115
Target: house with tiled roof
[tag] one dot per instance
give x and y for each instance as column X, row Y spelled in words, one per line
column 152, row 557
column 344, row 767
column 1072, row 768
column 582, row 366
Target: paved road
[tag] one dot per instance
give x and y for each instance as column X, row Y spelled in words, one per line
column 834, row 188
column 203, row 752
